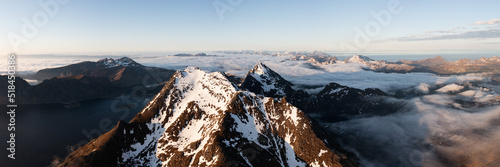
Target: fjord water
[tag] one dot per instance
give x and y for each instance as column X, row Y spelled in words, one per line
column 43, row 131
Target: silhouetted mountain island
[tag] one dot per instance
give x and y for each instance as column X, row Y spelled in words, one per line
column 203, row 119
column 123, row 72
column 105, row 78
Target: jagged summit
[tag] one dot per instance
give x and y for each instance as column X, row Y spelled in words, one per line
column 124, row 61
column 260, row 69
column 263, row 80
column 202, row 119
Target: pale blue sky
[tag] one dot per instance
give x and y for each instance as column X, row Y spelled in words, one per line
column 92, row 26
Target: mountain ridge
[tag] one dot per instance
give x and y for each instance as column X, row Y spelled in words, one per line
column 245, row 129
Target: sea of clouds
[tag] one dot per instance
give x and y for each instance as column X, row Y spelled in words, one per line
column 298, row 72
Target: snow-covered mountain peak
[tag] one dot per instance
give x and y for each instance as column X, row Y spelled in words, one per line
column 260, row 69
column 214, row 88
column 124, row 61
column 358, row 59
column 263, row 80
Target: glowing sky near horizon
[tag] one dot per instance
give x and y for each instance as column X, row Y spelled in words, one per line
column 93, row 26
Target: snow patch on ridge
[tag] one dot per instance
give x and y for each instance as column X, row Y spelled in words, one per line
column 209, row 93
column 146, row 151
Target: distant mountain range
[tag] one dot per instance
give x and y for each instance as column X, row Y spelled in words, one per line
column 437, row 65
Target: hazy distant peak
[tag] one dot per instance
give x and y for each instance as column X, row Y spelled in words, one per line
column 438, row 58
column 192, row 55
column 433, row 61
column 358, row 59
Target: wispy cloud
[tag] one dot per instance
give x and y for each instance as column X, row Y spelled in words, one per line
column 456, row 33
column 439, row 31
column 490, row 22
column 452, row 30
column 480, row 34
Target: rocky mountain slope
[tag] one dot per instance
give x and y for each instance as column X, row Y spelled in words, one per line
column 203, row 119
